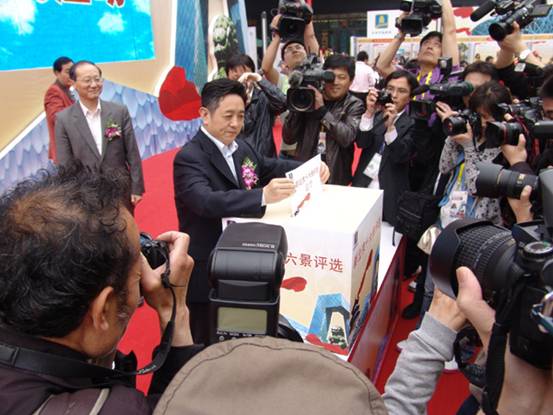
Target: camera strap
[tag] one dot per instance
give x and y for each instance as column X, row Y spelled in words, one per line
column 495, row 364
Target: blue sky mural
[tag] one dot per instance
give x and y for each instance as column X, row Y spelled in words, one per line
column 33, row 33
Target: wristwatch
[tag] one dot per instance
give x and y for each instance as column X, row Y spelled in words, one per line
column 524, row 54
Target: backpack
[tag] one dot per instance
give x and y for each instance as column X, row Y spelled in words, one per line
column 81, row 402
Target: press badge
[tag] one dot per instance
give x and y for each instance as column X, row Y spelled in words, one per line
column 321, row 145
column 520, row 67
column 455, row 208
column 373, row 167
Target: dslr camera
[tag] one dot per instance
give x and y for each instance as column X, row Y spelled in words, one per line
column 445, row 91
column 457, row 124
column 300, row 97
column 245, row 272
column 296, row 14
column 421, row 12
column 510, row 11
column 384, row 97
column 514, row 269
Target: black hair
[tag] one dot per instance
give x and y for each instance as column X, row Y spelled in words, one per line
column 64, row 239
column 546, row 90
column 289, row 43
column 73, row 70
column 236, row 61
column 402, row 73
column 362, row 56
column 213, row 92
column 58, row 63
column 340, row 61
column 483, row 68
column 430, row 35
column 487, row 96
column 489, row 58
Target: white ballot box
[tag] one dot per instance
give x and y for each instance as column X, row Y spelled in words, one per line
column 332, row 263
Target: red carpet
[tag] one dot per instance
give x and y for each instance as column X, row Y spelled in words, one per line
column 156, row 214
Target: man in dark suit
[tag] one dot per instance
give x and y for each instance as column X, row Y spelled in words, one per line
column 98, row 133
column 385, row 137
column 217, row 176
column 57, row 98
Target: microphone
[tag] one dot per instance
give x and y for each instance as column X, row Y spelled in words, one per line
column 482, row 10
column 295, row 79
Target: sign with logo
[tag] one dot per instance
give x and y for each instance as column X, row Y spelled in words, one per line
column 381, row 21
column 381, row 24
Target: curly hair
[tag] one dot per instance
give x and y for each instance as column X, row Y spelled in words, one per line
column 64, row 239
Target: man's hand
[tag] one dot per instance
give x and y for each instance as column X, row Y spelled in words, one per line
column 274, row 25
column 159, row 297
column 444, row 110
column 249, row 77
column 445, row 310
column 371, row 102
column 324, row 172
column 135, row 199
column 515, row 154
column 526, row 389
column 390, row 113
column 278, row 189
column 319, row 100
column 522, row 207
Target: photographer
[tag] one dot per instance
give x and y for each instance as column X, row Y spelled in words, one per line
column 385, row 137
column 331, row 128
column 265, row 102
column 71, row 278
column 432, row 46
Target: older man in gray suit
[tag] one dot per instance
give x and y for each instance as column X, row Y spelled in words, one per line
column 98, row 133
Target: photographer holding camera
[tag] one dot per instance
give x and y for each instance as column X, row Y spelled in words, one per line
column 71, row 278
column 385, row 137
column 330, row 127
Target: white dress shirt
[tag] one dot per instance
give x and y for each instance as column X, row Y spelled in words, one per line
column 94, row 121
column 226, row 151
column 364, row 79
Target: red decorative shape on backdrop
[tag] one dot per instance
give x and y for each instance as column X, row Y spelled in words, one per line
column 313, row 339
column 296, row 284
column 178, row 97
column 466, row 30
column 463, row 11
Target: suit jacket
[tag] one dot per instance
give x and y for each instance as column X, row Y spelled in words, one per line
column 206, row 191
column 74, row 141
column 55, row 100
column 393, row 174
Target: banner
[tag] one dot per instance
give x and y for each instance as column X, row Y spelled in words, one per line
column 35, row 32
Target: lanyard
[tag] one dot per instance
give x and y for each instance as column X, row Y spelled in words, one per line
column 426, row 82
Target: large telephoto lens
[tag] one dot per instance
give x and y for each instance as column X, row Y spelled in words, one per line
column 495, row 181
column 488, row 250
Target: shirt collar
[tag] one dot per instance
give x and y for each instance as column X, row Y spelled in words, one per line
column 224, row 149
column 86, row 111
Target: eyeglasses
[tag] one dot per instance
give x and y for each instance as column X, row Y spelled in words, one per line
column 90, row 81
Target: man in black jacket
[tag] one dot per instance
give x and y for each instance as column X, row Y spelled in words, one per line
column 264, row 102
column 331, row 128
column 72, row 275
column 385, row 137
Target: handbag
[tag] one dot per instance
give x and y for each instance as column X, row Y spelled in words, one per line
column 416, row 212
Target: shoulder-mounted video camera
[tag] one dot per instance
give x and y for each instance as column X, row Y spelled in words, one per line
column 421, row 13
column 300, row 97
column 510, row 11
column 296, row 14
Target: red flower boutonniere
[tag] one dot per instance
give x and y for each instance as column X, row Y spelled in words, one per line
column 113, row 131
column 248, row 173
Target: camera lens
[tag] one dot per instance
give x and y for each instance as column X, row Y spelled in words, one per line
column 499, row 30
column 488, row 250
column 454, row 126
column 500, row 133
column 301, row 99
column 494, row 181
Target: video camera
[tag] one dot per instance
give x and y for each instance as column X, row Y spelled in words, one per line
column 421, row 12
column 446, row 91
column 245, row 272
column 515, row 271
column 300, row 97
column 510, row 11
column 296, row 14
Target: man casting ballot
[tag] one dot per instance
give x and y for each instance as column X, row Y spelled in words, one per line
column 217, row 176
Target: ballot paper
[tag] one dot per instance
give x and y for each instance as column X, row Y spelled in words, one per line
column 308, row 184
